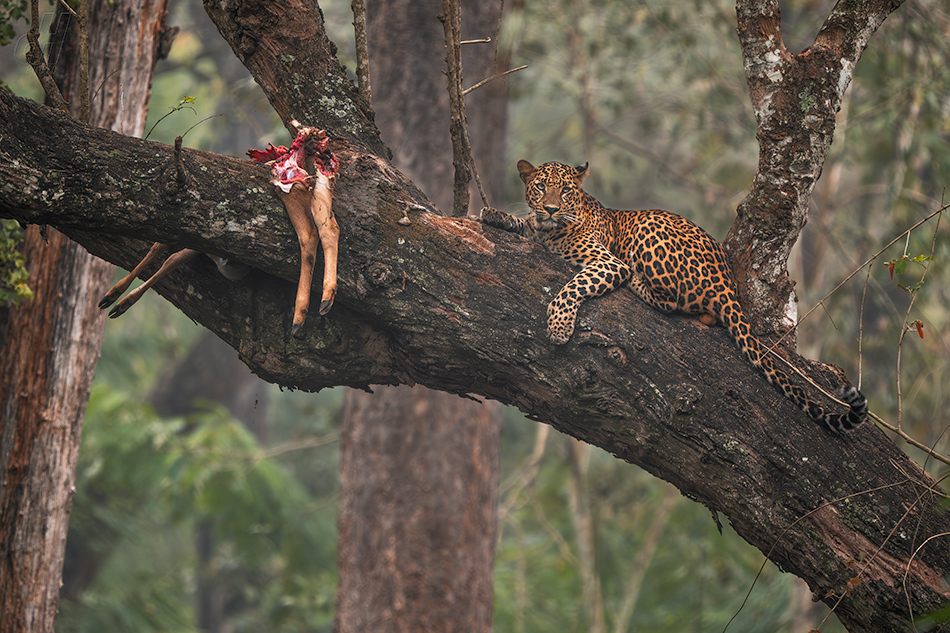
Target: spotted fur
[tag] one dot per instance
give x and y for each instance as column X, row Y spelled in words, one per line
column 669, row 262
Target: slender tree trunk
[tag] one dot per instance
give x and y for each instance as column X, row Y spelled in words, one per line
column 52, row 343
column 419, row 467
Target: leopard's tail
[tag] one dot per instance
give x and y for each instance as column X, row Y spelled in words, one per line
column 738, row 325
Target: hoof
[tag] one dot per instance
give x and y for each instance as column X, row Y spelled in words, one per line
column 295, row 329
column 325, row 306
column 105, row 302
column 117, row 311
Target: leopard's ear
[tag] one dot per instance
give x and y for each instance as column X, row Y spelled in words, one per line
column 581, row 172
column 526, row 170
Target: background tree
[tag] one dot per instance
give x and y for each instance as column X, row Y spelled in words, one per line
column 420, row 467
column 50, row 345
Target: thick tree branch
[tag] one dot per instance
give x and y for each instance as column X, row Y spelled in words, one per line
column 285, row 46
column 450, row 304
column 795, row 99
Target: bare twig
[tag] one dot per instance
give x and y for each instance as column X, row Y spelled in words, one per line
column 864, row 295
column 484, row 40
column 493, row 77
column 833, row 502
column 181, row 106
column 37, row 60
column 870, row 559
column 207, row 118
column 451, row 18
column 907, row 438
column 179, row 166
column 462, row 158
column 82, row 22
column 69, row 8
column 362, row 54
column 893, row 428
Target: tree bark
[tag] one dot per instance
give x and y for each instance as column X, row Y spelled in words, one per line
column 459, row 307
column 52, row 345
column 795, row 99
column 419, row 468
column 414, row 553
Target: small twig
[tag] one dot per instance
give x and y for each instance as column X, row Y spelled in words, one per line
column 910, row 306
column 907, row 438
column 870, row 559
column 207, row 118
column 501, row 15
column 362, row 54
column 179, row 166
column 864, row 294
column 178, row 108
column 103, row 83
column 82, row 22
column 37, row 60
column 787, row 529
column 69, row 8
column 484, row 40
column 493, row 77
column 451, row 18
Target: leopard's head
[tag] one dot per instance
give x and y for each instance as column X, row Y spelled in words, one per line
column 553, row 191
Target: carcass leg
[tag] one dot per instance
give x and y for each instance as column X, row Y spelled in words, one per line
column 173, row 262
column 329, row 231
column 158, row 250
column 297, row 204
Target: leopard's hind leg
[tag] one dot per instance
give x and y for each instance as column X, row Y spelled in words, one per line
column 641, row 288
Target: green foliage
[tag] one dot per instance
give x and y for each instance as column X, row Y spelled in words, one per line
column 147, row 485
column 695, row 578
column 13, row 273
column 10, row 12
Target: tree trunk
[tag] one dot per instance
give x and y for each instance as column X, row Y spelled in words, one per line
column 414, row 555
column 52, row 343
column 420, row 467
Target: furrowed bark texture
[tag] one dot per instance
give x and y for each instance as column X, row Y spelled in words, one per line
column 416, row 539
column 47, row 363
column 51, row 348
column 450, row 304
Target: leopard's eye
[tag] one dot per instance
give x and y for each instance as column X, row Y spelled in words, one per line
column 565, row 190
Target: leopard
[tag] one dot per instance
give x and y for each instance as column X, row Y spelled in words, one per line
column 669, row 262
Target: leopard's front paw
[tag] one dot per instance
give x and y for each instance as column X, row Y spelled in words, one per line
column 560, row 324
column 493, row 217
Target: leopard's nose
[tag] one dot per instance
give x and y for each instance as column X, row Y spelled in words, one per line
column 550, row 209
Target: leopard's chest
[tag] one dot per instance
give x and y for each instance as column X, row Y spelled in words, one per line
column 577, row 241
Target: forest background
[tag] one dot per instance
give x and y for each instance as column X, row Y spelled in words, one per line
column 653, row 95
